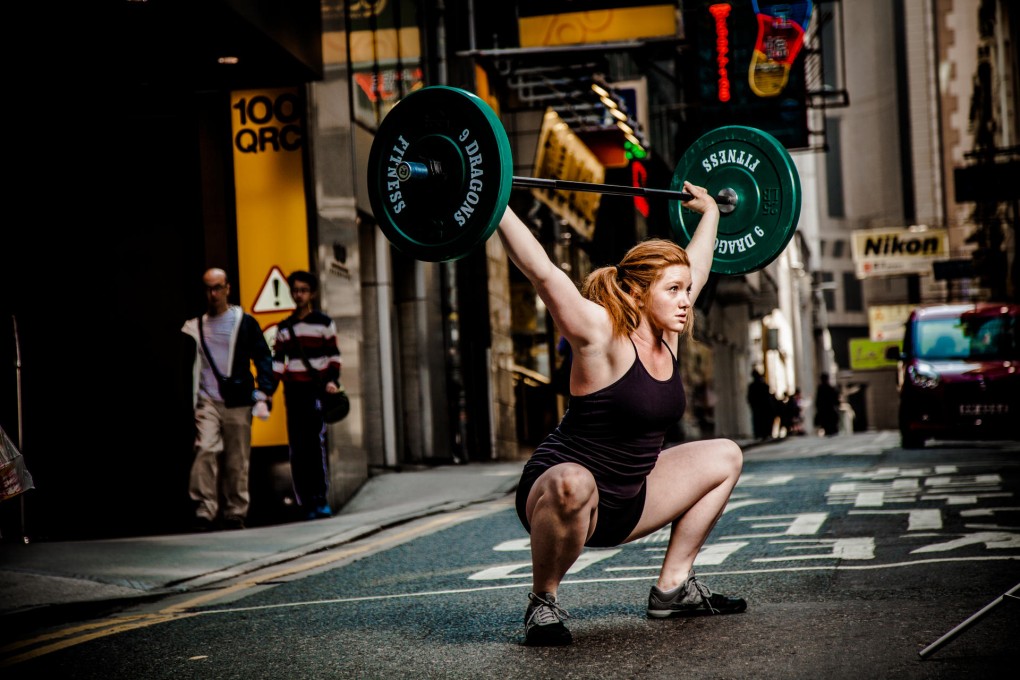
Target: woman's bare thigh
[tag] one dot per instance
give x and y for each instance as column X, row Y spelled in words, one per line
column 682, row 476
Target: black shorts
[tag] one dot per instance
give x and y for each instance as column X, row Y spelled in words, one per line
column 614, row 522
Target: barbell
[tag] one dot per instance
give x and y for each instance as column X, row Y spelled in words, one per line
column 440, row 172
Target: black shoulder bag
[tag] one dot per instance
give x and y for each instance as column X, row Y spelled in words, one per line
column 235, row 391
column 336, row 405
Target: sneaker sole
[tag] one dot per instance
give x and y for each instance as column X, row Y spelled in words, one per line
column 688, row 613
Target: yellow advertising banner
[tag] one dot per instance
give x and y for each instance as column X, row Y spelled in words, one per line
column 868, row 355
column 272, row 216
column 561, row 155
column 600, row 25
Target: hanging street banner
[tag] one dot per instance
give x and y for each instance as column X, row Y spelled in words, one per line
column 548, row 23
column 887, row 322
column 561, row 155
column 893, row 252
column 868, row 355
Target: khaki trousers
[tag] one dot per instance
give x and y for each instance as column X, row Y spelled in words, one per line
column 222, row 455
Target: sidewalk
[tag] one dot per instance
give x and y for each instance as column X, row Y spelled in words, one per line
column 38, row 577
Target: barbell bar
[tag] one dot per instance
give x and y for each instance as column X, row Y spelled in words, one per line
column 409, row 170
column 440, row 174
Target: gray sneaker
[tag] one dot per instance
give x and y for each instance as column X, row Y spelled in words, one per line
column 543, row 622
column 693, row 598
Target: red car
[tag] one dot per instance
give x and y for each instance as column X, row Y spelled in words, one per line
column 959, row 373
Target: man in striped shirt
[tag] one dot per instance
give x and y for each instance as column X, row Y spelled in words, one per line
column 306, row 359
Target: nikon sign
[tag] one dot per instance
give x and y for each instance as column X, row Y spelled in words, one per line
column 890, row 252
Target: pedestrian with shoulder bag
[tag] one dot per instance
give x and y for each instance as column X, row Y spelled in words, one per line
column 306, row 359
column 225, row 395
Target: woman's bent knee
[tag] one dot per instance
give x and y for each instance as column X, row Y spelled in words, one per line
column 731, row 454
column 568, row 487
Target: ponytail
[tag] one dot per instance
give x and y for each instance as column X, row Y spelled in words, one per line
column 605, row 287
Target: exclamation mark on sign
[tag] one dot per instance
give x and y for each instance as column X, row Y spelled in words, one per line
column 274, row 294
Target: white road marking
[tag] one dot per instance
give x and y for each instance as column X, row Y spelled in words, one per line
column 992, row 540
column 838, row 548
column 797, row 524
column 586, row 559
column 710, row 555
column 917, row 519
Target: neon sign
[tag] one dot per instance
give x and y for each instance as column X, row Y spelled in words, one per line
column 639, row 178
column 722, row 47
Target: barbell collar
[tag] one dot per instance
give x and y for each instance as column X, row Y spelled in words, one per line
column 410, row 170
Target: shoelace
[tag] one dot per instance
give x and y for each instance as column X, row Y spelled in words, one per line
column 705, row 593
column 546, row 612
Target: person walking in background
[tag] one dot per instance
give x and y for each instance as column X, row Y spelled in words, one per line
column 827, row 406
column 763, row 406
column 306, row 359
column 224, row 394
column 602, row 477
column 792, row 419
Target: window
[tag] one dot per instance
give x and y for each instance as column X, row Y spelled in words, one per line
column 824, row 283
column 853, row 297
column 834, row 168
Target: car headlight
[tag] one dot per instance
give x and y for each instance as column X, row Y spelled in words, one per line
column 923, row 375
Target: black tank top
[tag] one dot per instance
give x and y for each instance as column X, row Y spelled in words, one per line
column 617, row 432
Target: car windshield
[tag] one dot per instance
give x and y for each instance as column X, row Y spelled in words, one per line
column 972, row 337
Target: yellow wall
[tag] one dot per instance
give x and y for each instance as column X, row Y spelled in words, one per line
column 272, row 215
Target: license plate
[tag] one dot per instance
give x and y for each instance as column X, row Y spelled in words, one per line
column 983, row 409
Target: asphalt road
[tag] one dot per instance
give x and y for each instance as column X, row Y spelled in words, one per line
column 852, row 563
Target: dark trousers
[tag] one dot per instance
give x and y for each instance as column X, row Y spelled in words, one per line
column 763, row 423
column 306, row 432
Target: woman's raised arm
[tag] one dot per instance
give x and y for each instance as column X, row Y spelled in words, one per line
column 573, row 314
column 701, row 249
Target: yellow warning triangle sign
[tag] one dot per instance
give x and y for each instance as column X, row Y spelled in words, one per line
column 274, row 296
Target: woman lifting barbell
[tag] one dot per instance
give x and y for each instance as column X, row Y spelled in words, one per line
column 601, row 478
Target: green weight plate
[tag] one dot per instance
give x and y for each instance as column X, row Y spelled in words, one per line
column 760, row 171
column 444, row 216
